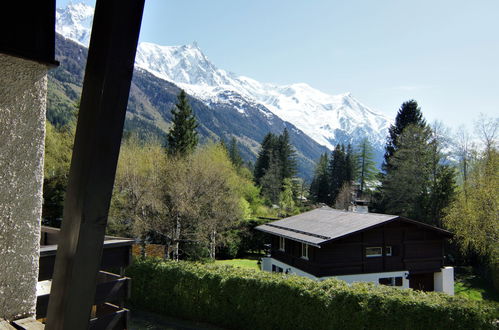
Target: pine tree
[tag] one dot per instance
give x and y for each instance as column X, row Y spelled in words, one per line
column 337, row 172
column 405, row 186
column 349, row 164
column 408, row 114
column 287, row 155
column 266, row 153
column 234, row 154
column 319, row 188
column 367, row 170
column 182, row 137
column 272, row 182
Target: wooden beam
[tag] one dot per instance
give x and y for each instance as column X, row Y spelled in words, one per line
column 106, row 86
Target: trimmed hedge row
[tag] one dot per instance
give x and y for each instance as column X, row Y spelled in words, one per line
column 243, row 299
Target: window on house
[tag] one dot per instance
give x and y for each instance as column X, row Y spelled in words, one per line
column 304, row 251
column 388, row 251
column 390, row 281
column 374, row 251
column 281, row 243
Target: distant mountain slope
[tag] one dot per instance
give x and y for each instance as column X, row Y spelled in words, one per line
column 327, row 119
column 152, row 98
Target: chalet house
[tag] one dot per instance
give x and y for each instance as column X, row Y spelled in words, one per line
column 360, row 247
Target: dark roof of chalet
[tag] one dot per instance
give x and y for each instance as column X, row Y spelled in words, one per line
column 326, row 224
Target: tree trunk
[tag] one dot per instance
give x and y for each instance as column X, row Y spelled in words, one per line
column 213, row 235
column 176, row 240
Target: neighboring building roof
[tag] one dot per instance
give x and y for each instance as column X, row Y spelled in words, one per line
column 325, row 224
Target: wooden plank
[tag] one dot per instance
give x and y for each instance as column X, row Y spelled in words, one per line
column 28, row 324
column 106, row 87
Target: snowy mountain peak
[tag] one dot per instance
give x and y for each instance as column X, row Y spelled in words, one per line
column 75, row 22
column 328, row 119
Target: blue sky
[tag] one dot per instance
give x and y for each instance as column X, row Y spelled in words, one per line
column 444, row 54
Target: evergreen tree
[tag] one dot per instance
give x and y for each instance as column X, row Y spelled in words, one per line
column 234, row 154
column 266, row 153
column 337, row 172
column 408, row 114
column 319, row 188
column 286, row 202
column 272, row 182
column 367, row 170
column 182, row 137
column 287, row 155
column 349, row 164
column 405, row 186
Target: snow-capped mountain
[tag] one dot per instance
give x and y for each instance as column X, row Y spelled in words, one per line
column 328, row 119
column 75, row 22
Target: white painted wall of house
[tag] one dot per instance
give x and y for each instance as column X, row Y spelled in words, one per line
column 443, row 281
column 23, row 96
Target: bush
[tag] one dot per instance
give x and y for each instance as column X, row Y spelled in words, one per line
column 244, row 299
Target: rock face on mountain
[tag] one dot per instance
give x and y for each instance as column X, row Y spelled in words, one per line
column 227, row 105
column 152, row 98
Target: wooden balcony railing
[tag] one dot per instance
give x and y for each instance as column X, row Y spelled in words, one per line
column 111, row 291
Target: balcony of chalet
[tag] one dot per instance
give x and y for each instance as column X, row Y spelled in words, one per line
column 112, row 288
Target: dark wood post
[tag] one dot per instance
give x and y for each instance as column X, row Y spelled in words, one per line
column 106, row 86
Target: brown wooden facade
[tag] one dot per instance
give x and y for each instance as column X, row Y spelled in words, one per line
column 418, row 249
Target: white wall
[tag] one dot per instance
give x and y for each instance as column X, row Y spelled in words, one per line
column 371, row 277
column 23, row 94
column 443, row 281
column 374, row 277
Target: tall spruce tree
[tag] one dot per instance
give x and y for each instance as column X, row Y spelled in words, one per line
column 406, row 184
column 182, row 137
column 408, row 114
column 234, row 155
column 262, row 163
column 366, row 166
column 319, row 188
column 337, row 172
column 287, row 155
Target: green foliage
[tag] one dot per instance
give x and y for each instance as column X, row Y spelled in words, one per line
column 286, row 202
column 417, row 184
column 405, row 185
column 366, row 166
column 244, row 299
column 473, row 216
column 319, row 188
column 58, row 151
column 234, row 155
column 182, row 137
column 408, row 114
column 276, row 162
column 338, row 169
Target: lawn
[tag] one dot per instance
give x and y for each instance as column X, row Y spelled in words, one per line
column 474, row 287
column 242, row 263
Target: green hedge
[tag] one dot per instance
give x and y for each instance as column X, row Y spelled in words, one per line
column 243, row 299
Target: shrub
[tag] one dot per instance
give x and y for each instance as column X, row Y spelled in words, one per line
column 244, row 299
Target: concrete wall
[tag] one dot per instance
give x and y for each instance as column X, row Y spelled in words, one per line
column 267, row 263
column 443, row 281
column 23, row 94
column 374, row 277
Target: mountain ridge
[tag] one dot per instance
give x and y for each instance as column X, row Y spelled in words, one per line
column 328, row 119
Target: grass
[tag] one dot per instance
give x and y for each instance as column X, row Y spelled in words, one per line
column 474, row 287
column 242, row 263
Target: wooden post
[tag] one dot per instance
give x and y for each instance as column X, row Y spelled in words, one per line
column 106, row 86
